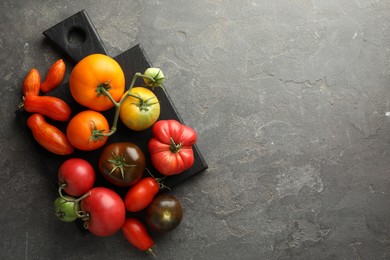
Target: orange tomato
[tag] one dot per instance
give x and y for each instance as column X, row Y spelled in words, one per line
column 85, row 128
column 92, row 73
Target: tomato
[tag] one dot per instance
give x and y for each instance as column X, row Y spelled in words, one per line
column 85, row 128
column 31, row 83
column 65, row 208
column 52, row 107
column 104, row 210
column 49, row 136
column 122, row 163
column 139, row 113
column 137, row 235
column 76, row 176
column 54, row 76
column 141, row 194
column 171, row 147
column 164, row 213
column 93, row 74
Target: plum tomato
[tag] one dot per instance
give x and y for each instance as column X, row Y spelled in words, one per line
column 164, row 213
column 85, row 130
column 122, row 163
column 76, row 176
column 140, row 110
column 104, row 211
column 141, row 194
column 135, row 232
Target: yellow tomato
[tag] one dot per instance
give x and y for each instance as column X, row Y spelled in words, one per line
column 140, row 110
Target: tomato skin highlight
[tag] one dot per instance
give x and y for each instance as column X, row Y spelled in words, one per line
column 54, row 76
column 89, row 73
column 171, row 147
column 122, row 163
column 80, row 130
column 52, row 107
column 137, row 235
column 49, row 136
column 139, row 196
column 77, row 175
column 139, row 115
column 31, row 83
column 106, row 211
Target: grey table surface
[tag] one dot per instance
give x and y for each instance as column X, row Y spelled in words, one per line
column 291, row 102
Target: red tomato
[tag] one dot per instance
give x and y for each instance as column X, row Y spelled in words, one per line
column 92, row 74
column 84, row 130
column 76, row 176
column 49, row 136
column 141, row 194
column 136, row 233
column 31, row 83
column 49, row 106
column 171, row 147
column 54, row 76
column 105, row 211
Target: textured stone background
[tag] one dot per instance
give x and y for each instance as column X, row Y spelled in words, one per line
column 291, row 101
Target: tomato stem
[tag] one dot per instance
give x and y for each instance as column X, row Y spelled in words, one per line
column 174, row 147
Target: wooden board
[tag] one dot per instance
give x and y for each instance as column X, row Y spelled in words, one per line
column 132, row 61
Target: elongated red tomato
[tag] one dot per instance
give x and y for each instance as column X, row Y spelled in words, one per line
column 137, row 235
column 141, row 194
column 104, row 210
column 31, row 83
column 49, row 136
column 54, row 76
column 49, row 106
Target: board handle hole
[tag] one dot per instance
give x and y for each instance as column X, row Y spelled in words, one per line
column 76, row 37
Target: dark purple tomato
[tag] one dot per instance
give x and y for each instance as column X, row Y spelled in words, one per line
column 164, row 213
column 122, row 163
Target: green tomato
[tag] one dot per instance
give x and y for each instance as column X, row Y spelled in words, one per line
column 65, row 209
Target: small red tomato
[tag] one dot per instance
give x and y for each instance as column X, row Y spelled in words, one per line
column 76, row 176
column 31, row 83
column 54, row 76
column 137, row 235
column 104, row 211
column 141, row 194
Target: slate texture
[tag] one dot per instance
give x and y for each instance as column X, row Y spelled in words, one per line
column 291, row 102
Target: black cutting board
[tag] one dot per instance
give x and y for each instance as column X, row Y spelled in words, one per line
column 76, row 37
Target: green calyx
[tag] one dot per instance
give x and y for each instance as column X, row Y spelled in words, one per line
column 119, row 162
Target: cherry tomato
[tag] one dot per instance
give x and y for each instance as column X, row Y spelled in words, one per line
column 84, row 130
column 76, row 176
column 49, row 136
column 137, row 235
column 54, row 76
column 49, row 106
column 91, row 75
column 142, row 112
column 31, row 83
column 171, row 147
column 65, row 208
column 141, row 194
column 104, row 210
column 164, row 213
column 122, row 163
